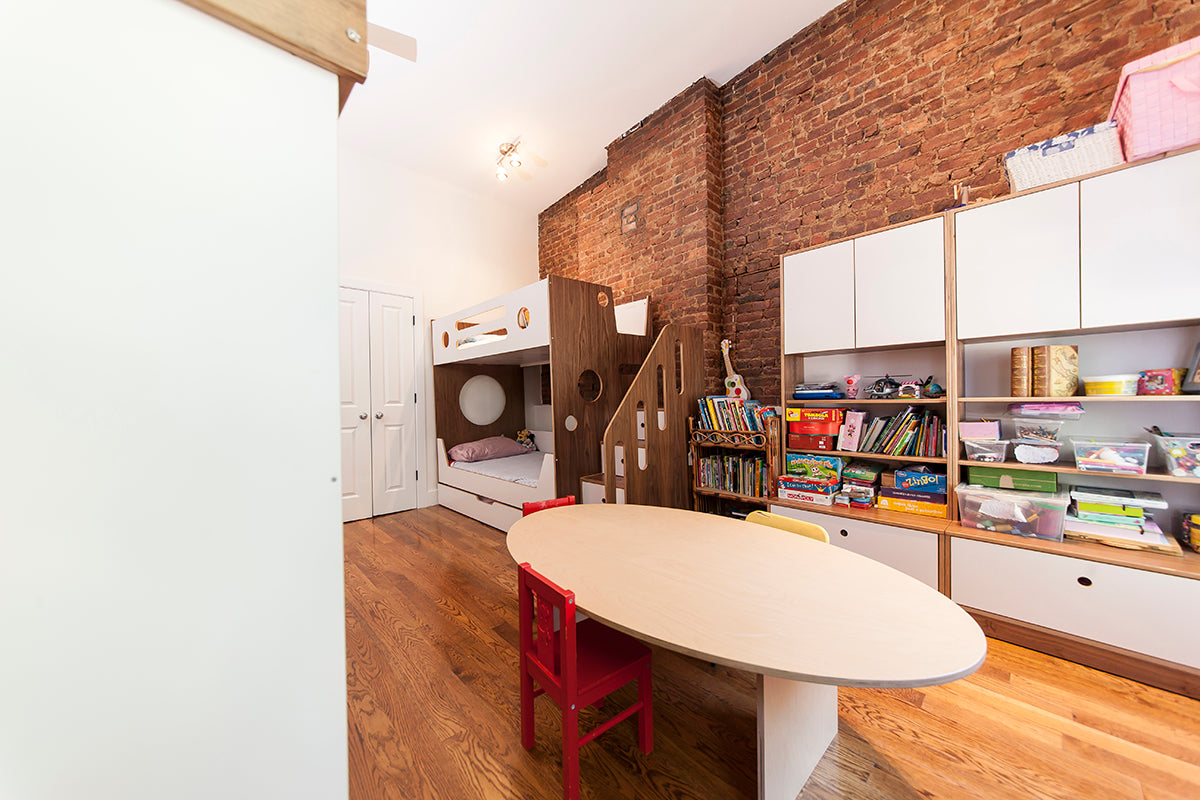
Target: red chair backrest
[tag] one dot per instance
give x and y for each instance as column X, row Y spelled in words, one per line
column 529, row 508
column 552, row 650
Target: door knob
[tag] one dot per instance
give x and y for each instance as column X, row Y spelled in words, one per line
column 378, row 415
column 362, row 415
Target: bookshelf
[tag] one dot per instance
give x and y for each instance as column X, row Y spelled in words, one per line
column 1071, row 599
column 733, row 470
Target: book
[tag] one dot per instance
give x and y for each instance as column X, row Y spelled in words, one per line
column 1147, row 537
column 1054, row 370
column 1114, row 496
column 851, row 431
column 1020, row 377
column 1111, row 509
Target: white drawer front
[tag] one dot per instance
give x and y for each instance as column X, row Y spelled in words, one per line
column 594, row 493
column 489, row 512
column 912, row 552
column 1146, row 612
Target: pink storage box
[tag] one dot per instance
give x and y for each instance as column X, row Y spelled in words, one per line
column 1157, row 106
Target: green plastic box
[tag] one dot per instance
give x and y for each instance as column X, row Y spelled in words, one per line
column 1023, row 480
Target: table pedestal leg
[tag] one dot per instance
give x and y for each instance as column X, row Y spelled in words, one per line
column 796, row 723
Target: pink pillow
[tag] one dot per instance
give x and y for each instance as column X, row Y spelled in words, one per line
column 484, row 449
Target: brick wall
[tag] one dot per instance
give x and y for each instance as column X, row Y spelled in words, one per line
column 866, row 118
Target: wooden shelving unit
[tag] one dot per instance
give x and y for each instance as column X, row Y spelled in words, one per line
column 704, row 442
column 1030, row 591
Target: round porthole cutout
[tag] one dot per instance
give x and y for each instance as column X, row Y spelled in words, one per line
column 481, row 399
column 589, row 385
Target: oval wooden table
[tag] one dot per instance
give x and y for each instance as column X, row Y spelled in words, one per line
column 806, row 616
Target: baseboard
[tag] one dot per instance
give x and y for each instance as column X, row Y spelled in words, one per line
column 1172, row 677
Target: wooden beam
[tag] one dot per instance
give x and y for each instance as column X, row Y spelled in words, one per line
column 315, row 30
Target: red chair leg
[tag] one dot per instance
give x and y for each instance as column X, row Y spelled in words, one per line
column 526, row 709
column 646, row 715
column 570, row 748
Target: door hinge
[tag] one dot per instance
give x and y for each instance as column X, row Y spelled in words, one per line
column 414, row 398
column 414, row 320
column 418, row 474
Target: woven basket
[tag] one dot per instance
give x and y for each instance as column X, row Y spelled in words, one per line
column 1158, row 101
column 1064, row 157
column 730, row 438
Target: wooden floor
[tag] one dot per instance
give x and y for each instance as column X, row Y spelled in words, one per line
column 432, row 681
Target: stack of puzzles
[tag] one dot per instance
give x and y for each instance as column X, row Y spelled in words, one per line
column 860, row 482
column 811, row 478
column 917, row 491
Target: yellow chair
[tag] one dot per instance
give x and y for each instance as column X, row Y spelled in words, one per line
column 809, row 529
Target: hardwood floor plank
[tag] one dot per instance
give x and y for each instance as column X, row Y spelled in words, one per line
column 432, row 706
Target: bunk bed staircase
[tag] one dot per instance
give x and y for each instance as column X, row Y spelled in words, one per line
column 651, row 421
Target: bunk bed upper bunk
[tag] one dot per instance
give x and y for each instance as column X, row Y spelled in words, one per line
column 569, row 325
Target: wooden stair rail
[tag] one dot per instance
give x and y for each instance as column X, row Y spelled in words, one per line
column 670, row 381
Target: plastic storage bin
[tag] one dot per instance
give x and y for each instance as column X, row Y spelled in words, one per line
column 1111, row 384
column 1107, row 455
column 1035, row 514
column 991, row 450
column 1182, row 453
column 1040, row 430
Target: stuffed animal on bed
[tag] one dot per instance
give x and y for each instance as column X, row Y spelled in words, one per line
column 525, row 438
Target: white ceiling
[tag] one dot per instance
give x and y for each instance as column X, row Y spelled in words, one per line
column 566, row 76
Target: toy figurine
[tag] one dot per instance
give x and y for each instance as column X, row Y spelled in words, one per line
column 909, row 389
column 852, row 385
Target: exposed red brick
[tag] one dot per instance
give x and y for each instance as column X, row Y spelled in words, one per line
column 864, row 119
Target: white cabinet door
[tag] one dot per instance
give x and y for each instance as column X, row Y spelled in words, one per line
column 818, row 299
column 1140, row 243
column 393, row 404
column 355, row 402
column 900, row 285
column 912, row 552
column 1129, row 608
column 1017, row 265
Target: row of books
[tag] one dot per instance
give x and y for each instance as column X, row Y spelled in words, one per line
column 912, row 432
column 740, row 474
column 721, row 413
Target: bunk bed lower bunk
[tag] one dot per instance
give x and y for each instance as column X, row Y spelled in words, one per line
column 547, row 356
column 493, row 490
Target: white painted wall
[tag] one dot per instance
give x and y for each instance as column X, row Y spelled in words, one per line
column 403, row 231
column 401, row 227
column 171, row 594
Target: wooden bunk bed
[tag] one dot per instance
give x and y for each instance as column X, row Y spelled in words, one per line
column 571, row 327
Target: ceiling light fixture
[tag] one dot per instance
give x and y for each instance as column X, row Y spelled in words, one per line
column 510, row 158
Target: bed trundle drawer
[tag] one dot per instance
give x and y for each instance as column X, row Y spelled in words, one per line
column 489, row 512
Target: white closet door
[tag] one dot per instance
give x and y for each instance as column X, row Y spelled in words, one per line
column 393, row 404
column 355, row 401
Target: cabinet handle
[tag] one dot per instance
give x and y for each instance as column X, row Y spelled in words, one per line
column 844, row 532
column 378, row 415
column 1084, row 580
column 362, row 415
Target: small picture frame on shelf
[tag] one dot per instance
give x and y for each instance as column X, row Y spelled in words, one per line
column 1191, row 382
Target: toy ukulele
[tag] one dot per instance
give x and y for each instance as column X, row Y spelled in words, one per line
column 734, row 385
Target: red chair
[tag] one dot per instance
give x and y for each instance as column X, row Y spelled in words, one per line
column 577, row 666
column 529, row 508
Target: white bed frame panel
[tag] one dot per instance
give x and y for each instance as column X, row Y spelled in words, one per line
column 524, row 346
column 490, row 500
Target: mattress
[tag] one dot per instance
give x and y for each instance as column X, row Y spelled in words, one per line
column 523, row 469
